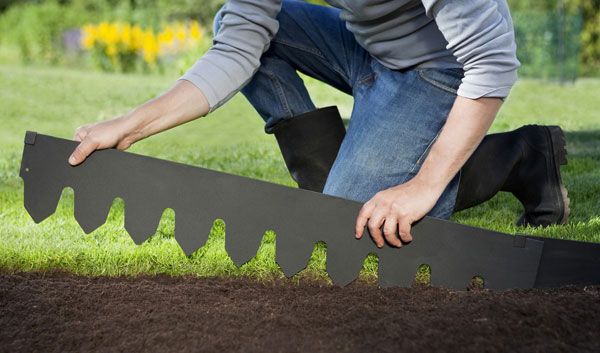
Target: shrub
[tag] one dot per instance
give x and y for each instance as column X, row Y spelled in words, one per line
column 37, row 29
column 548, row 43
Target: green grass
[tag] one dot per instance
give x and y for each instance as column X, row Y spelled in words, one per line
column 55, row 101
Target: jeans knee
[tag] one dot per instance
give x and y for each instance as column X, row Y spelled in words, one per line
column 218, row 19
column 354, row 185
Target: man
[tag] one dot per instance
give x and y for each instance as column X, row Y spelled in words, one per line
column 428, row 78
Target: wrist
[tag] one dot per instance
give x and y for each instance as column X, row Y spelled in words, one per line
column 433, row 183
column 133, row 125
column 136, row 122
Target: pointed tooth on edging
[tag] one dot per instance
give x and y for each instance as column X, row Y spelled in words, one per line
column 40, row 200
column 141, row 219
column 344, row 264
column 242, row 240
column 292, row 252
column 191, row 231
column 91, row 211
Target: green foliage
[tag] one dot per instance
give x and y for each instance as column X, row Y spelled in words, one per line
column 232, row 140
column 590, row 36
column 200, row 10
column 547, row 43
column 5, row 4
column 37, row 29
column 587, row 36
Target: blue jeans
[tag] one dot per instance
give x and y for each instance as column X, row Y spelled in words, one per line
column 397, row 115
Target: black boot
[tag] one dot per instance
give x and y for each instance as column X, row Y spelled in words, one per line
column 309, row 144
column 525, row 162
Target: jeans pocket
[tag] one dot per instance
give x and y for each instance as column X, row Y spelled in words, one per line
column 445, row 79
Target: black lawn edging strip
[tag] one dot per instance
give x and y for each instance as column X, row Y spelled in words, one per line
column 456, row 253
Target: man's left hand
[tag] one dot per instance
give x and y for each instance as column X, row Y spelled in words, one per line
column 395, row 210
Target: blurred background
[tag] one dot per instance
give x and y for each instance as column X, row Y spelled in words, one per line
column 557, row 39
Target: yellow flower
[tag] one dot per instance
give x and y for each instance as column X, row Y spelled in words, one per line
column 150, row 47
column 180, row 33
column 89, row 35
column 195, row 31
column 137, row 38
column 115, row 38
column 111, row 50
column 107, row 33
column 166, row 36
column 126, row 36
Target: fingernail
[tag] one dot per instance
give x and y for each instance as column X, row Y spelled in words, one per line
column 72, row 160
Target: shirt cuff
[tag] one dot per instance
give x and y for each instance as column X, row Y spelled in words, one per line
column 488, row 85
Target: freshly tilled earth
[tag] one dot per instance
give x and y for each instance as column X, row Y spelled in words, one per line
column 59, row 312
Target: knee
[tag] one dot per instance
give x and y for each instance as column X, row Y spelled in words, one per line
column 358, row 174
column 351, row 184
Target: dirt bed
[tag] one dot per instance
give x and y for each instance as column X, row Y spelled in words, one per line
column 65, row 313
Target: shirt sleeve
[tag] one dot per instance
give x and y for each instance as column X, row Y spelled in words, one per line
column 480, row 34
column 246, row 30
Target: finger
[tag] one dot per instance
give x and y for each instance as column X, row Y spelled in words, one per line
column 404, row 227
column 390, row 229
column 374, row 224
column 362, row 218
column 80, row 134
column 83, row 150
column 123, row 145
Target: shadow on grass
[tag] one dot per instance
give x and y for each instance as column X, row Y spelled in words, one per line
column 583, row 144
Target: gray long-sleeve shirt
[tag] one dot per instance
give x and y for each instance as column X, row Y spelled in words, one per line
column 476, row 35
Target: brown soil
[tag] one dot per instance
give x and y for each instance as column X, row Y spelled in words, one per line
column 65, row 313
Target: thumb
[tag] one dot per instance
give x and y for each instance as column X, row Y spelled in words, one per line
column 83, row 150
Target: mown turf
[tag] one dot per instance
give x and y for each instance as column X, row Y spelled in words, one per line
column 56, row 101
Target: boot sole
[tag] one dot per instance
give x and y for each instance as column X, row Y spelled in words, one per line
column 559, row 153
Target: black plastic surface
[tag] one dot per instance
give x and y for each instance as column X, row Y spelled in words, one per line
column 300, row 218
column 568, row 263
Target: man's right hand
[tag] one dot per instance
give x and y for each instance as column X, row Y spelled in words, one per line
column 182, row 103
column 107, row 134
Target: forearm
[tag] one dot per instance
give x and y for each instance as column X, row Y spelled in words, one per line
column 467, row 124
column 179, row 105
column 182, row 103
column 397, row 208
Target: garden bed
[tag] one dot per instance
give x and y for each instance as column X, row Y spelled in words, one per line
column 61, row 312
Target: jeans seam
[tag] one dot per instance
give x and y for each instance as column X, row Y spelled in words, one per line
column 436, row 84
column 367, row 77
column 281, row 95
column 316, row 52
column 300, row 47
column 420, row 159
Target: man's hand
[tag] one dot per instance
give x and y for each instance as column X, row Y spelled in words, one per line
column 182, row 103
column 106, row 134
column 395, row 209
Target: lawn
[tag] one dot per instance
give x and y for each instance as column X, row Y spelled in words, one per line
column 55, row 101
